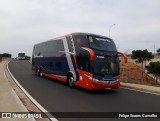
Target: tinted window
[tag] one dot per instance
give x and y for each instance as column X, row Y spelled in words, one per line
column 100, row 43
column 80, row 41
column 106, row 66
column 50, row 48
column 83, row 64
column 21, row 54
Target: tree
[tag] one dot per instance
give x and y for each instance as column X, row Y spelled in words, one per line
column 5, row 55
column 158, row 51
column 27, row 57
column 0, row 57
column 142, row 56
column 154, row 67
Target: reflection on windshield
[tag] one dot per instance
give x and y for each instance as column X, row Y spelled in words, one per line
column 100, row 43
column 106, row 66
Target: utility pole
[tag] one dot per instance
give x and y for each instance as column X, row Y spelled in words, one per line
column 154, row 49
column 110, row 28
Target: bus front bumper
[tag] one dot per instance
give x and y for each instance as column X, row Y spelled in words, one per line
column 96, row 84
column 101, row 85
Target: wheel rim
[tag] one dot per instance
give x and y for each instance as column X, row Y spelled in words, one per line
column 37, row 71
column 41, row 74
column 71, row 80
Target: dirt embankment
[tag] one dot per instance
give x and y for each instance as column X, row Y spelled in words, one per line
column 133, row 73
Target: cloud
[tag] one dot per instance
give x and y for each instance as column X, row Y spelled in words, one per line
column 26, row 22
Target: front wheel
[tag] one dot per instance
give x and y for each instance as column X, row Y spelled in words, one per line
column 70, row 81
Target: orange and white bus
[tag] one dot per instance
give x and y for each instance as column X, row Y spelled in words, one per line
column 80, row 59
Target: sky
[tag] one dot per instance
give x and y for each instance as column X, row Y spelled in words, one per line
column 24, row 23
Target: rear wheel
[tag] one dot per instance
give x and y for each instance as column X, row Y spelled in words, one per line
column 70, row 80
column 37, row 72
column 41, row 73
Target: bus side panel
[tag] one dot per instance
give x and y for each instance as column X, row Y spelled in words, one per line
column 52, row 65
column 84, row 80
column 55, row 77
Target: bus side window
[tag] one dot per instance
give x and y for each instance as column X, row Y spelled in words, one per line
column 83, row 64
column 70, row 44
column 80, row 41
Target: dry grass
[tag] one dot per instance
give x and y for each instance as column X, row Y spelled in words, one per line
column 133, row 73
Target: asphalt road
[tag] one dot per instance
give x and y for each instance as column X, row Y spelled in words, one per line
column 55, row 96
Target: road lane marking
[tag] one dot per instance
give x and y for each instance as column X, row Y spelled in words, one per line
column 31, row 98
column 140, row 91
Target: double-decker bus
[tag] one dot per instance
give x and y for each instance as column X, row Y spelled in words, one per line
column 80, row 59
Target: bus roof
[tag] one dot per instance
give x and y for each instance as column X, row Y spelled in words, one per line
column 76, row 33
column 81, row 33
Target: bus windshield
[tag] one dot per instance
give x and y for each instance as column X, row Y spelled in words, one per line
column 100, row 43
column 21, row 54
column 106, row 66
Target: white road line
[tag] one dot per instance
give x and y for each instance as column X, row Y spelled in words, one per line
column 140, row 91
column 31, row 98
column 20, row 104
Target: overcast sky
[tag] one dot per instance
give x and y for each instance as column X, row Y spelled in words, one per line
column 24, row 23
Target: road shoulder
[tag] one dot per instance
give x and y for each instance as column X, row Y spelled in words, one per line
column 9, row 101
column 14, row 99
column 142, row 88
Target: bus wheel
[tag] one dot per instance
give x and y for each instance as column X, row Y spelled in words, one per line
column 41, row 73
column 37, row 72
column 70, row 81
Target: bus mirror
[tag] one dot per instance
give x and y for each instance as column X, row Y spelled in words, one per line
column 90, row 53
column 87, row 53
column 82, row 55
column 124, row 56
